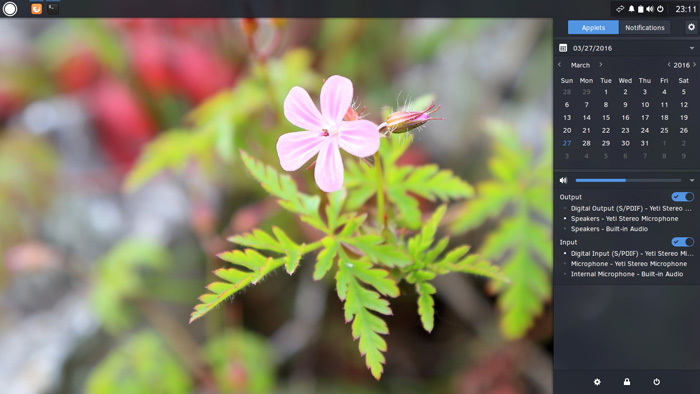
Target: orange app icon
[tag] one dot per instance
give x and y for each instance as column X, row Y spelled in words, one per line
column 36, row 9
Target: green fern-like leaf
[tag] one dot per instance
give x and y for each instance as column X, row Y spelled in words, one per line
column 325, row 258
column 492, row 198
column 171, row 151
column 428, row 264
column 250, row 353
column 142, row 364
column 521, row 244
column 121, row 276
column 259, row 239
column 379, row 253
column 420, row 243
column 284, row 188
column 407, row 207
column 335, row 219
column 457, row 260
column 523, row 299
column 371, row 245
column 250, row 268
column 520, row 199
column 430, row 182
column 361, row 302
column 403, row 183
column 426, row 304
column 215, row 124
column 250, row 265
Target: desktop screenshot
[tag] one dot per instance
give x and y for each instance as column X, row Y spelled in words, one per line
column 347, row 197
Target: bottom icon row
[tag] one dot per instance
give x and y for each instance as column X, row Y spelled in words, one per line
column 626, row 382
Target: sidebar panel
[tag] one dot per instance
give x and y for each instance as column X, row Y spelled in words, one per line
column 627, row 176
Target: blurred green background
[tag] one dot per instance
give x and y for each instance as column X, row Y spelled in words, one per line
column 120, row 181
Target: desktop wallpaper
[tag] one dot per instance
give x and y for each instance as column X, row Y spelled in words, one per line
column 275, row 206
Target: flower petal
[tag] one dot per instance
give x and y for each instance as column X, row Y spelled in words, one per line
column 329, row 167
column 359, row 137
column 336, row 97
column 301, row 111
column 295, row 149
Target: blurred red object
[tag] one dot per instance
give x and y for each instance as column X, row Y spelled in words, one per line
column 177, row 56
column 129, row 24
column 200, row 72
column 124, row 125
column 150, row 59
column 185, row 25
column 10, row 102
column 78, row 71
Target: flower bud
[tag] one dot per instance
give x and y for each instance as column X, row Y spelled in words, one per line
column 403, row 121
column 249, row 26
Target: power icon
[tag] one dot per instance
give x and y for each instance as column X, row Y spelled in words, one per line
column 657, row 381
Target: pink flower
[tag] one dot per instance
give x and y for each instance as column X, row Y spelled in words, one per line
column 325, row 132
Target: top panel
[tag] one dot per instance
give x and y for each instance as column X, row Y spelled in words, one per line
column 321, row 8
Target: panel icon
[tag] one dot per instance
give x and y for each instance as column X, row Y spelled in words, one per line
column 9, row 9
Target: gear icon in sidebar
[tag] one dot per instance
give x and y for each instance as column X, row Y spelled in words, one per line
column 597, row 381
column 691, row 26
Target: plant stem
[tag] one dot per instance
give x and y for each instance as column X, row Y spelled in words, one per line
column 311, row 247
column 380, row 189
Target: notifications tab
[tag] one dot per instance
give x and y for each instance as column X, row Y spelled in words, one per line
column 594, row 27
column 646, row 27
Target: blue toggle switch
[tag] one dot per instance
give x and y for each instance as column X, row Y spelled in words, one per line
column 683, row 196
column 683, row 242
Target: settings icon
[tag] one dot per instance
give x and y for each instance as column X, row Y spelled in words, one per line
column 597, row 381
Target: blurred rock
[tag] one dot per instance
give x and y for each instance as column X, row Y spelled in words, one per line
column 34, row 348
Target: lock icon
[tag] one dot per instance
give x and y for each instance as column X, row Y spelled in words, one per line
column 627, row 382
